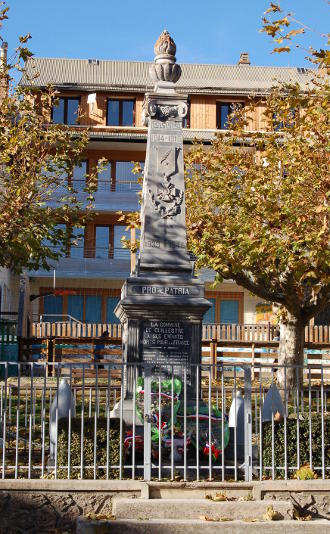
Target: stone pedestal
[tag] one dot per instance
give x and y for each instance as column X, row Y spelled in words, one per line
column 162, row 319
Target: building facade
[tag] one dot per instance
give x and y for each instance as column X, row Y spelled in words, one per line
column 106, row 97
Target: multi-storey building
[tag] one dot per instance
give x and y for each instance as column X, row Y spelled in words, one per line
column 107, row 98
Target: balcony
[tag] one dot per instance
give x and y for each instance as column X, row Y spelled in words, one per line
column 108, row 197
column 90, row 263
column 122, row 195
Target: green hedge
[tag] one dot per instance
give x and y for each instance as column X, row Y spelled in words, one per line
column 316, row 438
column 88, row 446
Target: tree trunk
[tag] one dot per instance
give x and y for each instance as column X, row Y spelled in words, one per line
column 291, row 352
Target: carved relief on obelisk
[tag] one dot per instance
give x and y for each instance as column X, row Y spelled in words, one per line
column 163, row 234
column 168, row 198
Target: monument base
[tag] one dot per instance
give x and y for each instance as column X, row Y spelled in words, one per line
column 162, row 327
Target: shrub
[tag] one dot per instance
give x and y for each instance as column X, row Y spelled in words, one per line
column 305, row 473
column 88, row 448
column 304, row 443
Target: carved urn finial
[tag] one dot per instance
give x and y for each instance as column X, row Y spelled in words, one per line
column 165, row 72
column 165, row 45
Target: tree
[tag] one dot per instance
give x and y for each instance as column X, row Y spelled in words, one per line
column 35, row 162
column 258, row 214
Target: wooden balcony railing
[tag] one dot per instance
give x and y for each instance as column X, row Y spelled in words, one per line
column 220, row 356
column 217, row 332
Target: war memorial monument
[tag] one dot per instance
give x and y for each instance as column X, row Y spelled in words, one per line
column 162, row 302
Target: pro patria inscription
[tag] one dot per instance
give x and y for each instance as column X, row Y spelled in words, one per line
column 177, row 291
column 161, row 290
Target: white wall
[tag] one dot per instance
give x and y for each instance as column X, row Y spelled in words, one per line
column 250, row 302
column 9, row 284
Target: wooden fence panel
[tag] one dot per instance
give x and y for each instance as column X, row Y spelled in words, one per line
column 221, row 332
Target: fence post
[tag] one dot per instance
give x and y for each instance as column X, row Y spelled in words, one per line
column 147, row 423
column 50, row 356
column 213, row 358
column 21, row 344
column 252, row 360
column 247, row 424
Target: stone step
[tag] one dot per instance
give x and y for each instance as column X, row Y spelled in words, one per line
column 185, row 526
column 145, row 509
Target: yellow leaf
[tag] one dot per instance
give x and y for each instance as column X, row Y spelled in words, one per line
column 271, row 514
column 282, row 49
column 274, row 8
column 220, row 497
column 295, row 32
column 320, row 208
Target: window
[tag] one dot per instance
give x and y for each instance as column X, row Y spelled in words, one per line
column 120, row 112
column 78, row 179
column 93, row 309
column 52, row 308
column 111, row 305
column 223, row 110
column 103, row 234
column 104, row 179
column 118, row 176
column 77, row 243
column 209, row 316
column 280, row 124
column 229, row 311
column 119, row 252
column 66, row 111
column 125, row 180
column 76, row 306
column 227, row 307
column 108, row 241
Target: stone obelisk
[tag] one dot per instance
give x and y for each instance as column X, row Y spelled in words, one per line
column 162, row 302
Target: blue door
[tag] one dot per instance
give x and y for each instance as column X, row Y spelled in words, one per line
column 53, row 308
column 93, row 305
column 111, row 304
column 229, row 311
column 76, row 306
column 209, row 316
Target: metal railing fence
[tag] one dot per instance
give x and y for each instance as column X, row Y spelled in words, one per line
column 177, row 423
column 91, row 252
column 106, row 186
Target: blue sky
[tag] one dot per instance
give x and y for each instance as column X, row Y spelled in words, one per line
column 209, row 31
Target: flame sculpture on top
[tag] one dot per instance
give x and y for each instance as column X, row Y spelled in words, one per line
column 165, row 71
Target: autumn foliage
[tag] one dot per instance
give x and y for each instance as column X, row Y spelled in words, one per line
column 258, row 202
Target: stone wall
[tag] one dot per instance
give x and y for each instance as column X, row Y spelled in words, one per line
column 50, row 506
column 34, row 508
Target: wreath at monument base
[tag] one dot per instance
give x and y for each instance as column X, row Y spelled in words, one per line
column 163, row 428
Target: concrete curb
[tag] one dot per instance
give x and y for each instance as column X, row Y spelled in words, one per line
column 175, row 526
column 194, row 508
column 75, row 485
column 167, row 489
